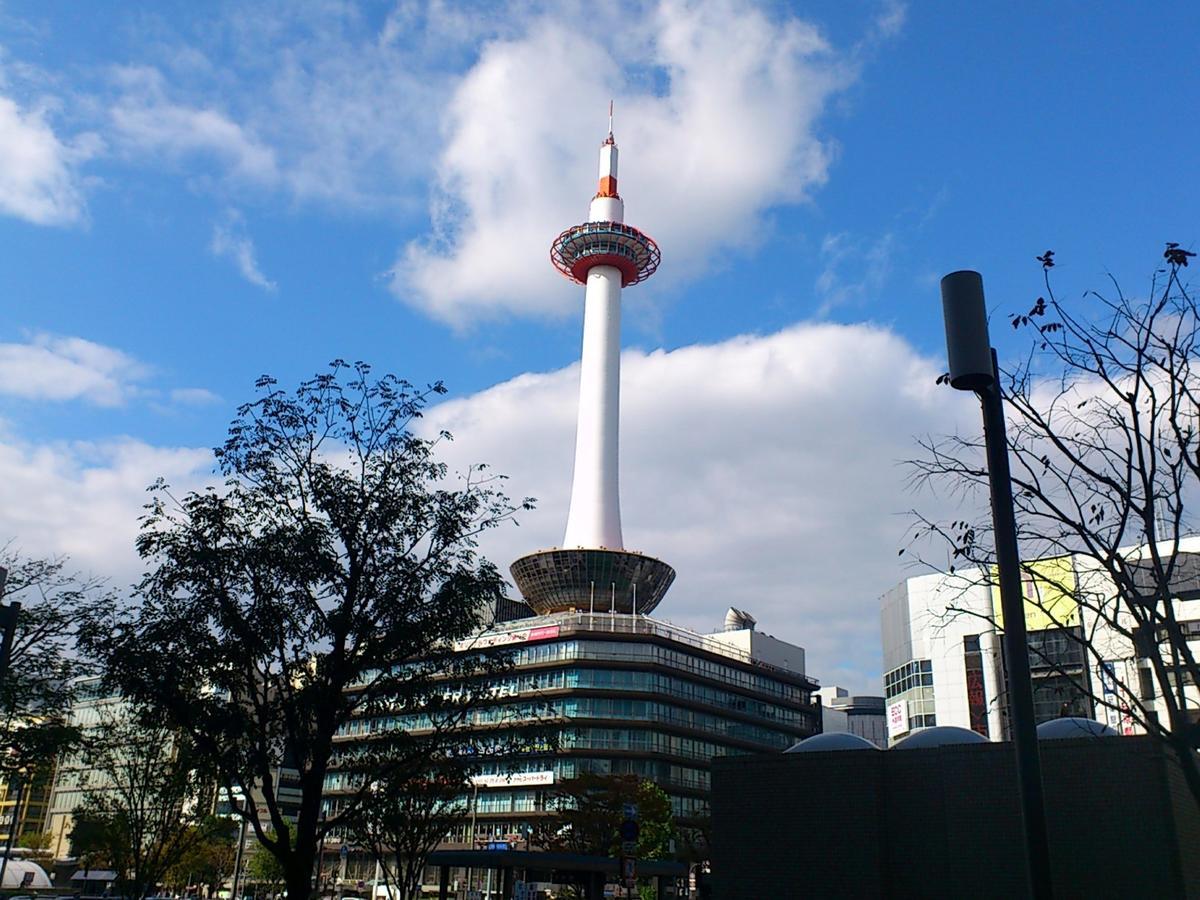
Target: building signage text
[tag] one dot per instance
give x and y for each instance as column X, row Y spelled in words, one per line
column 513, row 779
column 897, row 718
column 500, row 639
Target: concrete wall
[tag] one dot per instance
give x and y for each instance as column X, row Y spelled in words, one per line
column 945, row 822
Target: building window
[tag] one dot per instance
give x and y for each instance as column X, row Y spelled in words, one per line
column 917, row 673
column 1056, row 648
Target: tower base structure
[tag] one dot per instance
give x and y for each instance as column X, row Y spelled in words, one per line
column 591, row 580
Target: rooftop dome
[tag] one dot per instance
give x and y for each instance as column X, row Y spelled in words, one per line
column 940, row 736
column 832, row 740
column 1073, row 727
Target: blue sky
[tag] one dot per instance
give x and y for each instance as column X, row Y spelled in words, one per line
column 195, row 194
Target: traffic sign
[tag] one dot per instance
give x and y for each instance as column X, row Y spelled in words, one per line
column 628, row 848
column 630, row 810
column 629, row 830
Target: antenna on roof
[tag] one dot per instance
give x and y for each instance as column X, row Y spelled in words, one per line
column 610, row 110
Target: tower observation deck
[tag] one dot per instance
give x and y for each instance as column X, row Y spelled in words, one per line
column 593, row 571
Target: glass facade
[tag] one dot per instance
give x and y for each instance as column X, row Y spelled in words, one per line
column 619, row 695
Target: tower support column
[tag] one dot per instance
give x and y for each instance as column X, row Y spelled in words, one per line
column 594, row 519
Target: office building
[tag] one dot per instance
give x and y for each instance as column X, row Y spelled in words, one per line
column 859, row 714
column 944, row 658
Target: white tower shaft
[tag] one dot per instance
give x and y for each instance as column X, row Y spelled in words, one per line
column 594, row 519
column 595, row 516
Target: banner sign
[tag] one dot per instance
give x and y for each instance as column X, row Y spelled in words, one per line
column 513, row 779
column 897, row 718
column 1048, row 587
column 503, row 638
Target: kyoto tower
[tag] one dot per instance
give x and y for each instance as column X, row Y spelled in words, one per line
column 593, row 571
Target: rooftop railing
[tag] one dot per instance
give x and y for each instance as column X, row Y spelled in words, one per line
column 623, row 623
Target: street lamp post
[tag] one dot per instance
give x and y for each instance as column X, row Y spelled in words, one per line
column 973, row 368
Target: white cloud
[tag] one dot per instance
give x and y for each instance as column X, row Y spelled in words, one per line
column 194, row 397
column 84, row 499
column 766, row 470
column 312, row 100
column 38, row 177
column 853, row 270
column 68, row 368
column 717, row 110
column 145, row 119
column 231, row 241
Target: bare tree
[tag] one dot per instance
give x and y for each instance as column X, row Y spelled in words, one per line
column 1104, row 439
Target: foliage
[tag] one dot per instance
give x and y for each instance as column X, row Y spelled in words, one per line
column 145, row 803
column 403, row 819
column 38, row 843
column 326, row 580
column 1104, row 441
column 37, row 690
column 590, row 811
column 208, row 861
column 263, row 867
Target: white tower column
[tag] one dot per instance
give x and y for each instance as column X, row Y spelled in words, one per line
column 594, row 519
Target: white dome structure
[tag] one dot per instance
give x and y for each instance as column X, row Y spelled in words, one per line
column 831, row 740
column 17, row 870
column 940, row 736
column 1073, row 727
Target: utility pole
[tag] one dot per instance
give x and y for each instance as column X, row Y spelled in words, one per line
column 973, row 368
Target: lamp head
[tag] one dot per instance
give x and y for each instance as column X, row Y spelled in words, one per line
column 967, row 343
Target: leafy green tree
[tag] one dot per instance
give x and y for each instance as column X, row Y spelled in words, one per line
column 37, row 689
column 264, row 868
column 145, row 806
column 38, row 843
column 589, row 811
column 326, row 580
column 208, row 861
column 402, row 820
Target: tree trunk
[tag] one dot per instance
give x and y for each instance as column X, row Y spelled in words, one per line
column 298, row 877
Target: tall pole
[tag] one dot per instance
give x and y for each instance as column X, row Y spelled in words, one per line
column 12, row 825
column 973, row 367
column 8, row 623
column 1016, row 642
column 237, row 860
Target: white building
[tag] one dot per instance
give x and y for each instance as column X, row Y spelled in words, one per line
column 857, row 714
column 943, row 657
